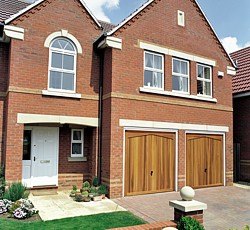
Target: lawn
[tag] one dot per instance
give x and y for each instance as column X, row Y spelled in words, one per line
column 97, row 222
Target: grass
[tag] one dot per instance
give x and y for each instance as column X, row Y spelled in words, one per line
column 97, row 222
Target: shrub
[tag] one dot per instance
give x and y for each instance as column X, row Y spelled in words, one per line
column 93, row 189
column 188, row 223
column 95, row 181
column 22, row 209
column 85, row 186
column 102, row 189
column 16, row 191
column 5, row 205
column 74, row 188
column 78, row 198
column 2, row 182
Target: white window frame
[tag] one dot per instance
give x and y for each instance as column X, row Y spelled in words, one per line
column 205, row 80
column 153, row 70
column 77, row 142
column 63, row 52
column 181, row 76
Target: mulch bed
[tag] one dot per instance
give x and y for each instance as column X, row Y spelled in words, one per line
column 33, row 218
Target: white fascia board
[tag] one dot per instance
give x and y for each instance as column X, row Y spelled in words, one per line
column 130, row 17
column 231, row 70
column 172, row 125
column 204, row 15
column 14, row 32
column 176, row 53
column 40, row 1
column 24, row 118
column 112, row 42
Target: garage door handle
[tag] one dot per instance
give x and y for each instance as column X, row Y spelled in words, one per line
column 205, row 170
column 151, row 173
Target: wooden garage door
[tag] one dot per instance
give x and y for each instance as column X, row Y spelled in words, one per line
column 149, row 162
column 204, row 159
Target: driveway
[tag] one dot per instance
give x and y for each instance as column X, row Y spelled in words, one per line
column 228, row 207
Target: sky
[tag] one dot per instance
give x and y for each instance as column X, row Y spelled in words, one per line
column 229, row 18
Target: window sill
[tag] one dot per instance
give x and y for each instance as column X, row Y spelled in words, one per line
column 61, row 94
column 76, row 159
column 174, row 94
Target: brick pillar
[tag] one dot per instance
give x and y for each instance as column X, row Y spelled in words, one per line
column 198, row 215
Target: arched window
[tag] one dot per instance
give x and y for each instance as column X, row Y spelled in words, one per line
column 62, row 65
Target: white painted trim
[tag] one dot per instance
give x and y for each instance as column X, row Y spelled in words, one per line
column 231, row 70
column 181, row 18
column 244, row 94
column 176, row 53
column 61, row 94
column 14, row 32
column 176, row 94
column 112, row 42
column 170, row 125
column 150, row 130
column 40, row 1
column 63, row 33
column 24, row 118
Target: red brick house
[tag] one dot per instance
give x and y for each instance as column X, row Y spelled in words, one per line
column 146, row 106
column 241, row 100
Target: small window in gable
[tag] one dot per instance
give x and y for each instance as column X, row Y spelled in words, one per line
column 181, row 18
column 62, row 66
column 180, row 75
column 153, row 70
column 77, row 143
column 204, row 80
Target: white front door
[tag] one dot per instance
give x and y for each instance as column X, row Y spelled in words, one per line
column 44, row 156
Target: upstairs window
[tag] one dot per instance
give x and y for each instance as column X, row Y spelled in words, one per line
column 62, row 66
column 153, row 70
column 77, row 143
column 180, row 76
column 204, row 80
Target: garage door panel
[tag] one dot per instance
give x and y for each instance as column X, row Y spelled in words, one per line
column 157, row 152
column 204, row 160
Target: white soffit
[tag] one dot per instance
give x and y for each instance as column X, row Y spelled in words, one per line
column 14, row 32
column 112, row 42
column 24, row 118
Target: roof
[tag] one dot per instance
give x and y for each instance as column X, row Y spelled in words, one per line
column 241, row 81
column 106, row 26
column 20, row 9
column 11, row 7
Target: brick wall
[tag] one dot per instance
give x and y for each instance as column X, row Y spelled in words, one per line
column 29, row 73
column 157, row 24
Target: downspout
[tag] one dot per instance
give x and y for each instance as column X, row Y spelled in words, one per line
column 1, row 30
column 100, row 115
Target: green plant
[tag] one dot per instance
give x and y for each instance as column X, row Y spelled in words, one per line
column 78, row 198
column 74, row 188
column 245, row 228
column 86, row 199
column 16, row 191
column 2, row 182
column 93, row 189
column 85, row 186
column 188, row 223
column 95, row 181
column 85, row 193
column 102, row 189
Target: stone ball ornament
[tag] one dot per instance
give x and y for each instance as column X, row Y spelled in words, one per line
column 187, row 193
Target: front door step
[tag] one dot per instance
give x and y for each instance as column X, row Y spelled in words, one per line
column 44, row 190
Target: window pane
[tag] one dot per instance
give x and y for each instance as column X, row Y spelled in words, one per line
column 55, row 80
column 69, row 47
column 176, row 66
column 148, row 78
column 56, row 44
column 149, row 60
column 56, row 61
column 63, row 43
column 77, row 135
column 175, row 83
column 200, row 87
column 207, row 72
column 68, row 81
column 207, row 90
column 157, row 80
column 68, row 62
column 157, row 62
column 27, row 145
column 184, row 68
column 76, row 148
column 200, row 71
column 184, row 84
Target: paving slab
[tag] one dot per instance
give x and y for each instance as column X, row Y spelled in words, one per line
column 60, row 206
column 227, row 207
